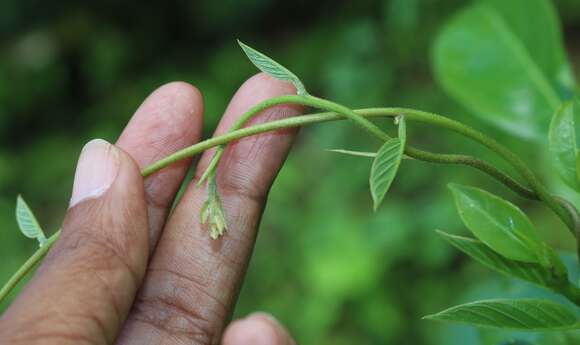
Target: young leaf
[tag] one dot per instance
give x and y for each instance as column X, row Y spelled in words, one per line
column 499, row 224
column 386, row 164
column 516, row 75
column 520, row 314
column 354, row 153
column 562, row 143
column 27, row 222
column 271, row 67
column 212, row 212
column 530, row 272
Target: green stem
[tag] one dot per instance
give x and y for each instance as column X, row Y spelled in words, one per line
column 27, row 266
column 303, row 120
column 476, row 163
column 306, row 100
column 410, row 114
column 542, row 192
column 539, row 189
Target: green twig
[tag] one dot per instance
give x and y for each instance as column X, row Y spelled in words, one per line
column 304, row 120
column 27, row 266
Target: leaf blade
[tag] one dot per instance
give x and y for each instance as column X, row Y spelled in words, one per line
column 386, row 165
column 272, row 68
column 515, row 74
column 384, row 169
column 531, row 272
column 27, row 222
column 521, row 314
column 562, row 143
column 499, row 224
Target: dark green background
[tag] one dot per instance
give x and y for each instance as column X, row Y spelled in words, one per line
column 330, row 269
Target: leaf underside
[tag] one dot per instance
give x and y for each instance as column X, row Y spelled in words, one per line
column 386, row 164
column 384, row 169
column 533, row 273
column 27, row 222
column 521, row 314
column 272, row 68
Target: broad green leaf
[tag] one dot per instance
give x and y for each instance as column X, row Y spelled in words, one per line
column 562, row 143
column 520, row 314
column 271, row 67
column 510, row 73
column 27, row 222
column 499, row 224
column 354, row 153
column 386, row 164
column 530, row 272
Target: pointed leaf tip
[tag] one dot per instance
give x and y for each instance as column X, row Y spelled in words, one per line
column 27, row 222
column 272, row 68
column 517, row 314
column 386, row 164
column 384, row 169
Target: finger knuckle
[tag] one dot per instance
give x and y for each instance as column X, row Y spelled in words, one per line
column 182, row 308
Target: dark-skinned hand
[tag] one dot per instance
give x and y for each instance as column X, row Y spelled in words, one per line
column 126, row 271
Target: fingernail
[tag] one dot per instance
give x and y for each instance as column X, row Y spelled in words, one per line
column 96, row 170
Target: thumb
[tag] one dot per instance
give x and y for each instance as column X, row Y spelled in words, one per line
column 85, row 287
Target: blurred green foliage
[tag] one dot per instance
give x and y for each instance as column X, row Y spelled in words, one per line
column 325, row 265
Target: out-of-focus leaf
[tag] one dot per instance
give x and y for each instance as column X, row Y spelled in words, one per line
column 578, row 166
column 513, row 74
column 27, row 222
column 531, row 272
column 562, row 143
column 271, row 67
column 499, row 224
column 521, row 314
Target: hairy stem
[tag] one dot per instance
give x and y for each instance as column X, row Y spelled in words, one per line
column 306, row 100
column 304, row 120
column 539, row 189
column 298, row 121
column 476, row 163
column 542, row 192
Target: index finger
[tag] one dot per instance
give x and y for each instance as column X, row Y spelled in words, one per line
column 193, row 281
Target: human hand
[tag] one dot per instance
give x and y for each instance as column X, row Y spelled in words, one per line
column 126, row 271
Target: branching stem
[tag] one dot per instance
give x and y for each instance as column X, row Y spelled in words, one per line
column 562, row 208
